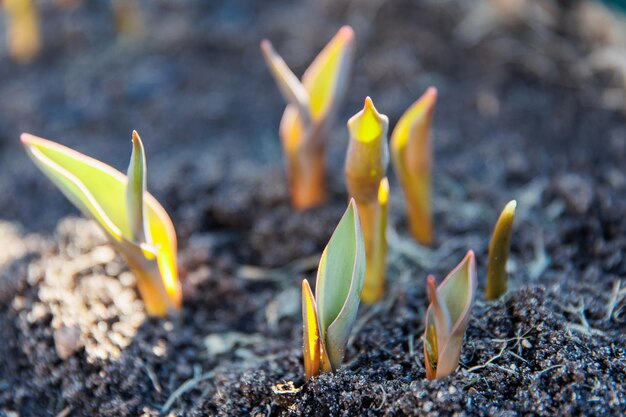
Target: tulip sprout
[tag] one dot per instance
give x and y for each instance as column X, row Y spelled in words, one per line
column 447, row 318
column 329, row 316
column 499, row 253
column 411, row 155
column 311, row 105
column 366, row 162
column 22, row 29
column 140, row 229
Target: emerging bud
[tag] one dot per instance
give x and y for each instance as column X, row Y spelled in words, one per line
column 499, row 253
column 328, row 317
column 22, row 29
column 140, row 230
column 411, row 155
column 447, row 318
column 311, row 106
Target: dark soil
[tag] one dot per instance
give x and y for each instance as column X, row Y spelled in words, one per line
column 516, row 118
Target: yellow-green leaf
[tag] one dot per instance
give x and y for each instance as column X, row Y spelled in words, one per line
column 290, row 87
column 325, row 80
column 499, row 252
column 135, row 191
column 339, row 284
column 368, row 154
column 99, row 192
column 411, row 156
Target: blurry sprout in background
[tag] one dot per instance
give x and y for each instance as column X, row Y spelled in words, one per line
column 411, row 155
column 499, row 253
column 447, row 318
column 311, row 106
column 329, row 316
column 128, row 18
column 22, row 29
column 135, row 223
column 366, row 162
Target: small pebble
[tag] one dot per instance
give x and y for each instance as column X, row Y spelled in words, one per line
column 67, row 341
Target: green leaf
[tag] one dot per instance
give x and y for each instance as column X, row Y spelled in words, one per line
column 135, row 190
column 454, row 300
column 99, row 192
column 290, row 87
column 325, row 80
column 339, row 283
column 499, row 253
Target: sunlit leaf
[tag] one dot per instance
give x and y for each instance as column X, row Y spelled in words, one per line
column 290, row 87
column 411, row 155
column 99, row 192
column 325, row 80
column 339, row 284
column 447, row 318
column 135, row 191
column 315, row 357
column 368, row 154
column 311, row 103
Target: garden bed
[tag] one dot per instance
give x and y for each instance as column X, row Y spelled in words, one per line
column 75, row 338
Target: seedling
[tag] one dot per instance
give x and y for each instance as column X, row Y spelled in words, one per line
column 22, row 29
column 447, row 318
column 411, row 155
column 311, row 106
column 135, row 223
column 366, row 162
column 128, row 18
column 328, row 317
column 499, row 253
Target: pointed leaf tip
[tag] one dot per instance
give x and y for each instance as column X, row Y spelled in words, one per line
column 290, row 87
column 311, row 335
column 135, row 189
column 368, row 125
column 510, row 207
column 325, row 79
column 346, row 33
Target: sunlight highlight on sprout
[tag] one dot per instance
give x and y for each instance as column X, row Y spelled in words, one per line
column 140, row 230
column 311, row 104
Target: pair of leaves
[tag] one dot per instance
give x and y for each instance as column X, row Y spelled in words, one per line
column 447, row 318
column 134, row 221
column 311, row 103
column 411, row 156
column 323, row 83
column 329, row 316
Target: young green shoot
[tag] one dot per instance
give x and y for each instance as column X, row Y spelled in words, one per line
column 366, row 162
column 22, row 29
column 447, row 318
column 411, row 155
column 499, row 253
column 135, row 223
column 311, row 104
column 329, row 316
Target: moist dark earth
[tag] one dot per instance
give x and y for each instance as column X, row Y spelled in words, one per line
column 520, row 115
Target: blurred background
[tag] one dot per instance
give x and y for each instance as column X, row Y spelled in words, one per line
column 538, row 84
